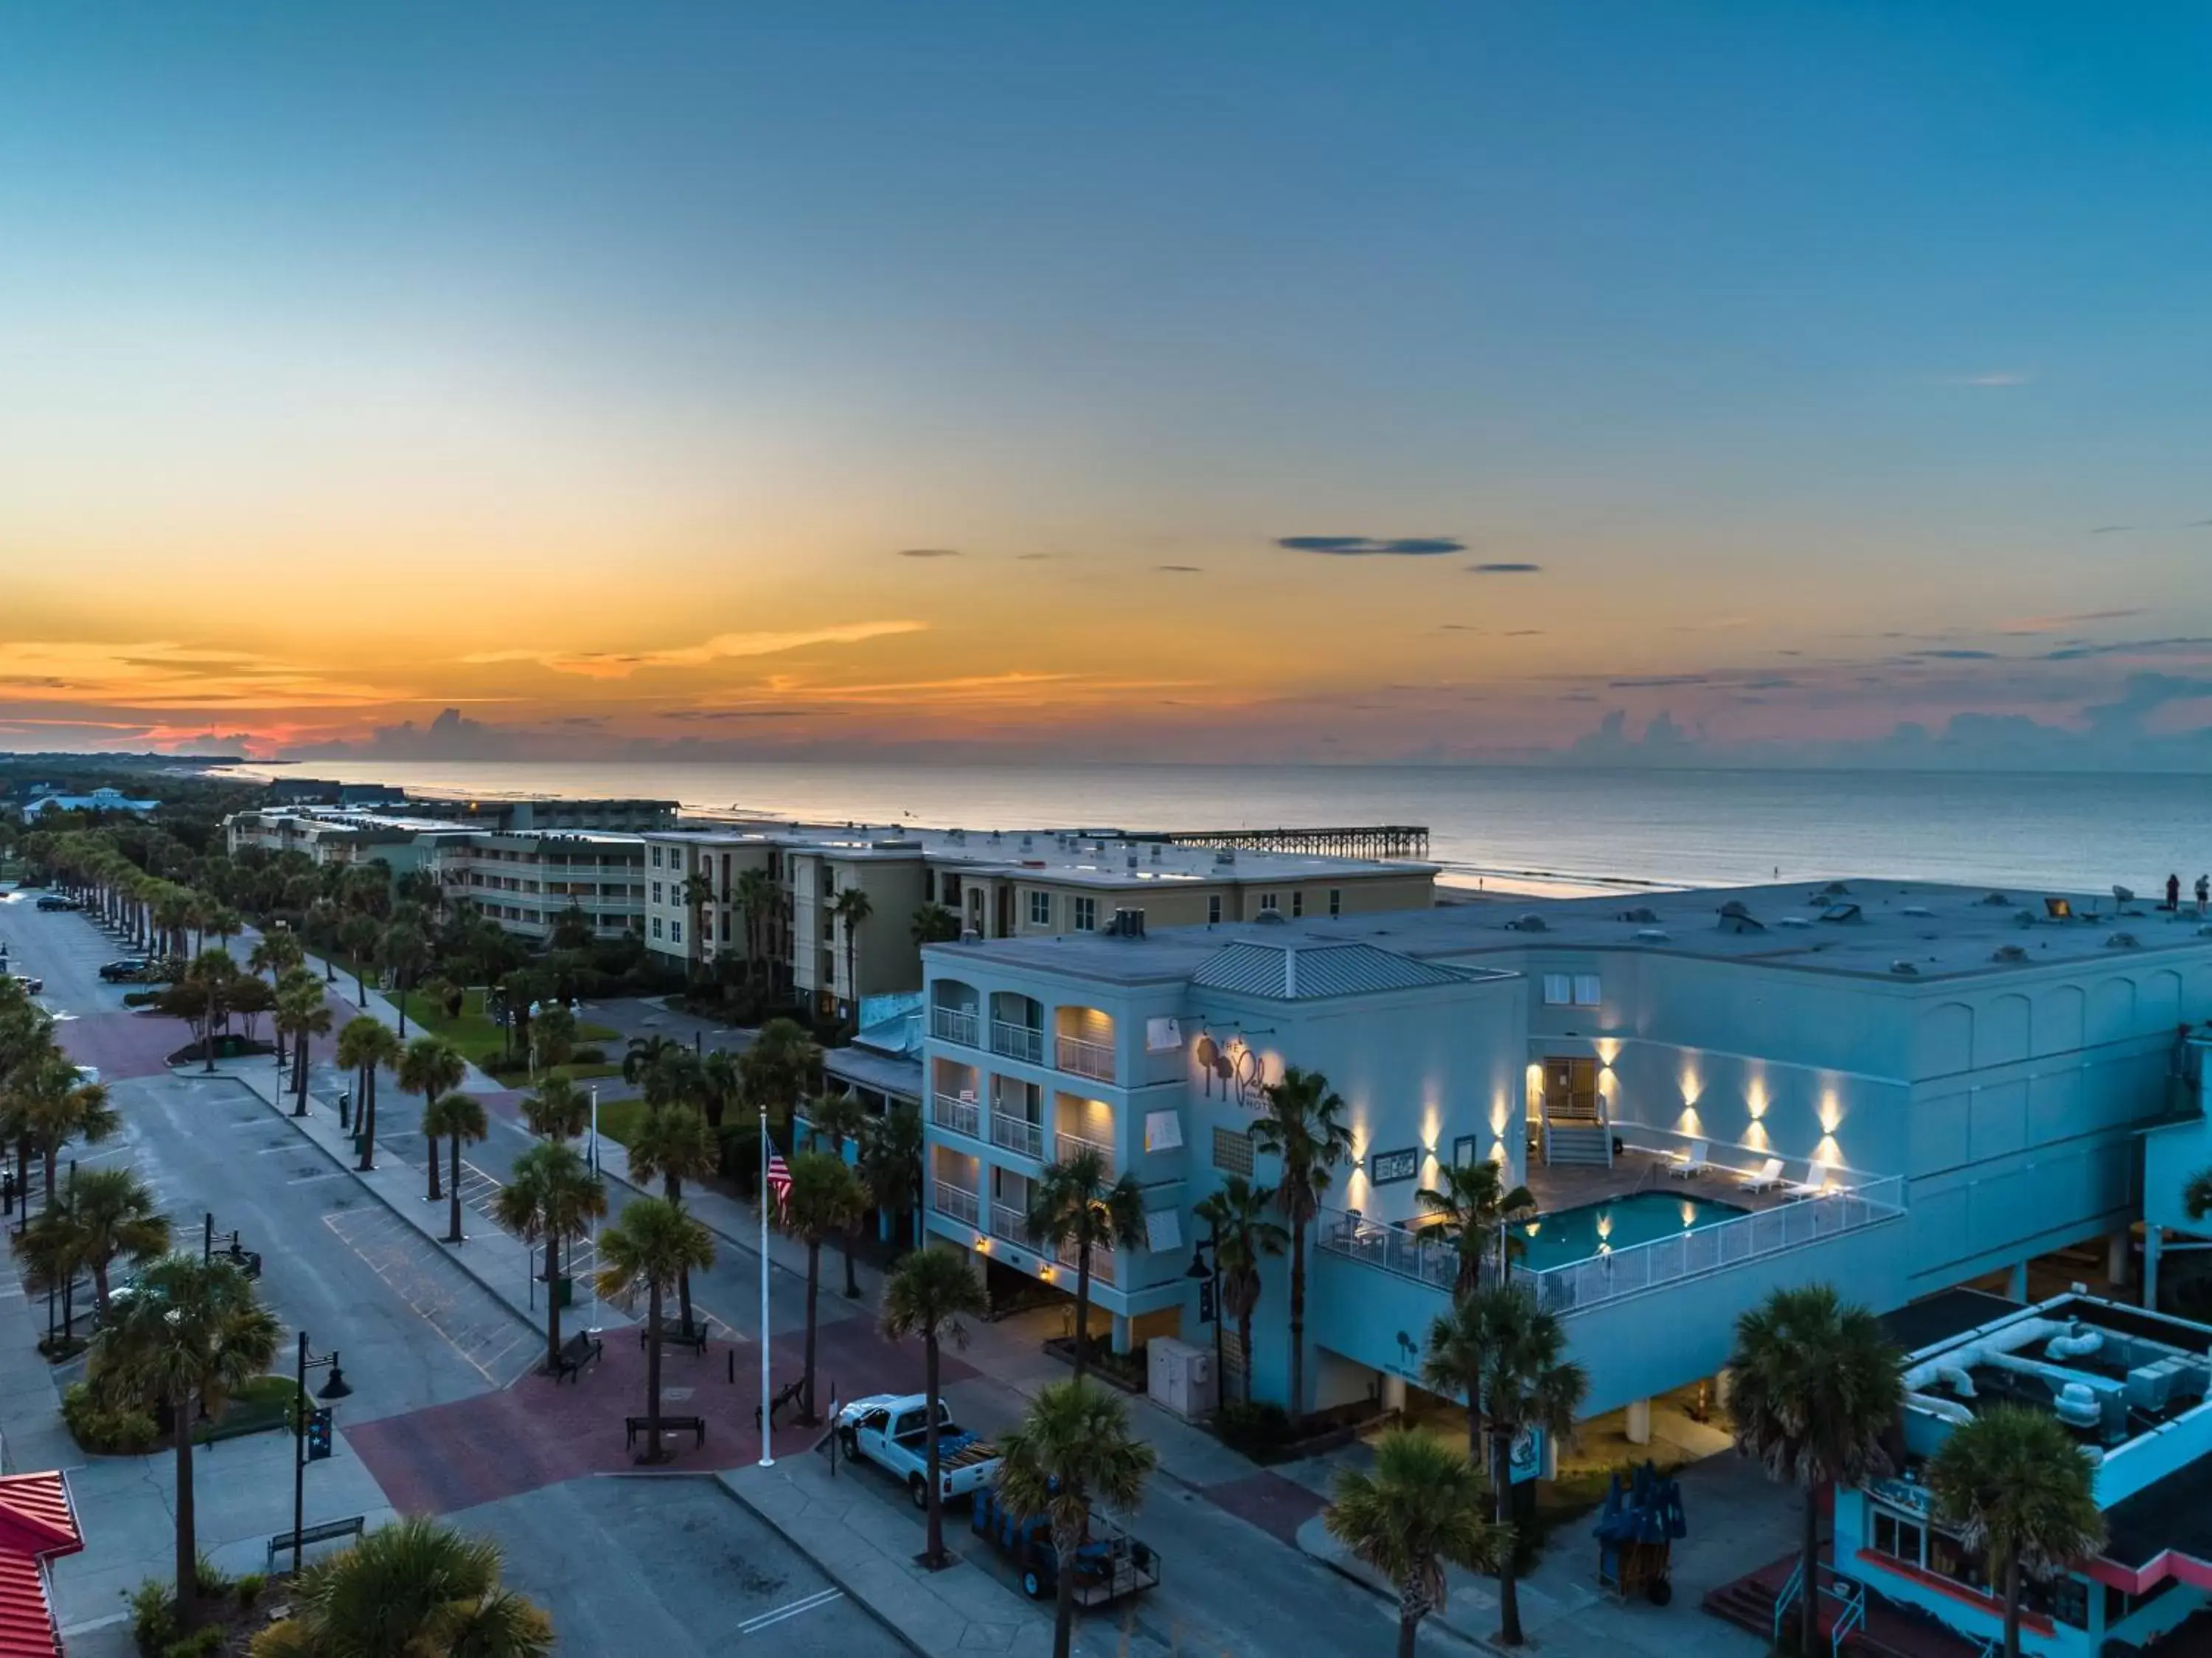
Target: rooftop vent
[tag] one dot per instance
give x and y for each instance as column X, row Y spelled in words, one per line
column 1904, row 969
column 1025, row 843
column 1793, row 921
column 2009, row 953
column 1269, row 918
column 1652, row 936
column 1643, row 913
column 1996, row 900
column 1225, row 854
column 970, row 935
column 1531, row 922
column 1841, row 912
column 2124, row 941
column 2123, row 894
column 1127, row 923
column 1835, row 889
column 1133, row 861
column 2024, row 918
column 1918, row 911
column 1737, row 906
column 1741, row 923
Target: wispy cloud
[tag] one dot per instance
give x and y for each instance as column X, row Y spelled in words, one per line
column 1992, row 381
column 929, row 552
column 1031, row 557
column 1371, row 546
column 2052, row 623
column 620, row 665
column 2111, row 529
column 1181, row 569
column 1503, row 570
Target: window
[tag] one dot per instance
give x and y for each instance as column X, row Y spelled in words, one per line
column 1233, row 1151
column 1586, row 990
column 656, row 926
column 1389, row 1167
column 656, row 898
column 1082, row 914
column 1039, row 909
column 1558, row 991
column 675, row 932
column 1336, row 900
column 1898, row 1538
column 1268, row 903
column 1298, row 903
column 656, row 858
column 1465, row 1152
column 928, row 885
column 1213, row 910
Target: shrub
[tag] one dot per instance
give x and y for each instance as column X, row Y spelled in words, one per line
column 153, row 1617
column 1252, row 1426
column 202, row 1642
column 103, row 1430
column 589, row 1055
column 213, row 1584
column 141, row 998
column 247, row 1589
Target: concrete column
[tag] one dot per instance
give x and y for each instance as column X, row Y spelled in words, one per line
column 2115, row 1259
column 1639, row 1421
column 1120, row 1333
column 1394, row 1391
column 2153, row 1239
column 2016, row 1286
column 1723, row 1387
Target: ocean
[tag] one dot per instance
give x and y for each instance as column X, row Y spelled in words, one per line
column 1505, row 828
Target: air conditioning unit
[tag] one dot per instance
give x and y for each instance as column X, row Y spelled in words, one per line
column 1181, row 1377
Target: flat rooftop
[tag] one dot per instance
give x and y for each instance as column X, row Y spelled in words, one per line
column 1886, row 930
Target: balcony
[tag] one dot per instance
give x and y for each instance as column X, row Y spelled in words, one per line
column 1092, row 1059
column 1102, row 1262
column 960, row 1116
column 1022, row 1042
column 1018, row 1134
column 1012, row 1224
column 953, row 1025
column 1065, row 1145
column 957, row 1202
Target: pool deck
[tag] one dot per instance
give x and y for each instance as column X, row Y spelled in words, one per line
column 1571, row 1186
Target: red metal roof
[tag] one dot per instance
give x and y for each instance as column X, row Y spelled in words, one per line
column 38, row 1521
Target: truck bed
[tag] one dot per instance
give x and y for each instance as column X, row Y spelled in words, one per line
column 955, row 1449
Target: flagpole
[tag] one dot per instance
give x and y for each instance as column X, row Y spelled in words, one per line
column 594, row 1325
column 768, row 1454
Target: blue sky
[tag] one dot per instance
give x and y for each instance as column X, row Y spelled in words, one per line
column 1811, row 325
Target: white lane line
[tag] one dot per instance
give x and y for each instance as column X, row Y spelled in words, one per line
column 327, row 1174
column 753, row 1626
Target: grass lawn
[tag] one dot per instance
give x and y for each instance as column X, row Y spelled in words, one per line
column 479, row 1040
column 619, row 1118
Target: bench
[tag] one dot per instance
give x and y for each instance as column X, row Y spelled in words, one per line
column 783, row 1396
column 329, row 1531
column 578, row 1351
column 693, row 1336
column 696, row 1426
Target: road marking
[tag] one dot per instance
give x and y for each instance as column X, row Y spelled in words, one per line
column 397, row 1253
column 754, row 1625
column 327, row 1174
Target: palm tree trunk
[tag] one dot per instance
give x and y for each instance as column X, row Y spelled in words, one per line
column 852, row 1283
column 1808, row 1615
column 453, row 1193
column 934, row 1555
column 1082, row 1309
column 1298, row 1321
column 400, row 979
column 188, row 1550
column 653, row 1452
column 1244, row 1340
column 53, row 1157
column 300, row 1077
column 813, row 1286
column 366, row 1122
column 553, row 1303
column 99, row 1287
column 1409, row 1630
column 2012, row 1607
column 208, row 1042
column 1509, row 1593
column 1063, row 1610
column 432, row 1159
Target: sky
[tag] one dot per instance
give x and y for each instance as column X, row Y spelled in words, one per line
column 1602, row 381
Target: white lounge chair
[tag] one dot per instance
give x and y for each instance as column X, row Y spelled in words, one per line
column 1764, row 1178
column 1819, row 1182
column 1684, row 1164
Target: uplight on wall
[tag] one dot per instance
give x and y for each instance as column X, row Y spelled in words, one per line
column 1832, row 1111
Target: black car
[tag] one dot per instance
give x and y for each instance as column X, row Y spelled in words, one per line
column 129, row 971
column 56, row 901
column 31, row 986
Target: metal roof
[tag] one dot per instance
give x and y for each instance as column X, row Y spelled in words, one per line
column 1295, row 971
column 37, row 1522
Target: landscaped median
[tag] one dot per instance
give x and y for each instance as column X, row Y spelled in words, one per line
column 484, row 1043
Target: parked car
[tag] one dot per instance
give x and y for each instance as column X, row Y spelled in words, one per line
column 130, row 970
column 1109, row 1563
column 56, row 901
column 892, row 1430
column 87, row 1076
column 32, row 986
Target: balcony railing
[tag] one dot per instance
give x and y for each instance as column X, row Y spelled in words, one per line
column 959, row 1203
column 953, row 1025
column 1018, row 1134
column 1608, row 1274
column 961, row 1116
column 1065, row 1145
column 1022, row 1042
column 1102, row 1261
column 1092, row 1059
column 1012, row 1224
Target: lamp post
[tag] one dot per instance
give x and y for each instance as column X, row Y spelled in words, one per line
column 551, row 1289
column 1211, row 1278
column 335, row 1388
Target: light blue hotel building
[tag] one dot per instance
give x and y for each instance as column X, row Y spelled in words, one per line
column 1941, row 1083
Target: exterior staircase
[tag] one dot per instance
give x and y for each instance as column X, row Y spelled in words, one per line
column 1583, row 1141
column 1852, row 1621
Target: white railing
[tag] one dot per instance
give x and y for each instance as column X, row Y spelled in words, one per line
column 951, row 1025
column 1023, row 1042
column 1102, row 1261
column 1018, row 1134
column 1092, row 1059
column 959, row 1203
column 1012, row 1224
column 961, row 1116
column 1411, row 1252
column 1065, row 1145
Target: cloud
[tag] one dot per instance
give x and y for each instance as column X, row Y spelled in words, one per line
column 1181, row 569
column 2049, row 623
column 929, row 552
column 1988, row 381
column 1370, row 546
column 1653, row 680
column 704, row 715
column 1525, row 633
column 2199, row 524
column 1457, row 627
column 1954, row 655
column 1031, row 557
column 1503, row 570
column 2111, row 529
column 723, row 647
column 2073, row 653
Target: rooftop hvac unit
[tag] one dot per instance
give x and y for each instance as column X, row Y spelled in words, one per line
column 970, row 935
column 1905, row 969
column 1127, row 923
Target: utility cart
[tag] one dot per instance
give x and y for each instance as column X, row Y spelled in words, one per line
column 1636, row 1532
column 1108, row 1565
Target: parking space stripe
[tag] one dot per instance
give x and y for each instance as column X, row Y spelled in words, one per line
column 754, row 1625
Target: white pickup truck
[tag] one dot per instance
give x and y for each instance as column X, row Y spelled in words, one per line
column 892, row 1431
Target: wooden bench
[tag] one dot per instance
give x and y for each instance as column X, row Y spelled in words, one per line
column 783, row 1396
column 329, row 1531
column 696, row 1426
column 578, row 1351
column 693, row 1336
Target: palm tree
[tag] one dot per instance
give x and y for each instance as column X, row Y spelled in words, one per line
column 459, row 1118
column 650, row 1064
column 673, row 1144
column 552, row 1038
column 1473, row 1209
column 1420, row 1510
column 365, row 1044
column 927, row 1295
column 273, row 954
column 838, row 1118
column 2022, row 1494
column 361, row 935
column 1817, row 1385
column 57, row 1108
column 1236, row 1217
column 112, row 1213
column 323, row 918
column 211, row 974
column 1074, row 1447
column 935, row 925
column 431, row 1066
column 302, row 1013
column 1509, row 1356
column 757, row 896
column 719, row 1084
column 551, row 1196
column 189, row 1335
column 825, row 1199
column 650, row 1247
column 558, row 1111
column 402, row 949
column 415, row 1586
column 698, row 891
column 225, row 922
column 852, row 907
column 777, row 1068
column 890, row 1165
column 1301, row 1121
column 1079, row 1204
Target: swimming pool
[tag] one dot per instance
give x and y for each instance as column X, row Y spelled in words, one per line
column 1567, row 1235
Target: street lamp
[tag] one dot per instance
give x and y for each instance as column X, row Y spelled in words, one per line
column 308, row 1426
column 1209, row 1300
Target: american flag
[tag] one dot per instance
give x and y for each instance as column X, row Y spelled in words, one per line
column 779, row 1177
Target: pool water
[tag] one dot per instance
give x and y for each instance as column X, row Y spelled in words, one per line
column 1567, row 1235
